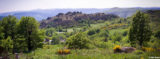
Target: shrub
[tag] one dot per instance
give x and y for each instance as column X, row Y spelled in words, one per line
column 77, row 41
column 66, row 51
column 117, row 49
column 147, row 49
column 116, row 37
column 55, row 40
column 157, row 34
column 91, row 32
column 125, row 33
column 63, row 51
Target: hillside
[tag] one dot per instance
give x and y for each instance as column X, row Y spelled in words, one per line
column 127, row 12
column 70, row 19
column 155, row 18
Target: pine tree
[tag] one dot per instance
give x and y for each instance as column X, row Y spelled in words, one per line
column 29, row 28
column 140, row 31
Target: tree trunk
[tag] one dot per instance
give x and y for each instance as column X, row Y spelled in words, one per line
column 29, row 42
column 141, row 44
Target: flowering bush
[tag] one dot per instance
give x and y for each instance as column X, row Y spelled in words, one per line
column 117, row 48
column 148, row 49
column 66, row 51
column 63, row 51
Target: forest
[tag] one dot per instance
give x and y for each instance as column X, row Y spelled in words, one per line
column 76, row 35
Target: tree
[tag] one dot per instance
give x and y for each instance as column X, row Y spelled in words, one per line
column 28, row 27
column 1, row 33
column 8, row 28
column 9, row 25
column 7, row 44
column 140, row 30
column 78, row 41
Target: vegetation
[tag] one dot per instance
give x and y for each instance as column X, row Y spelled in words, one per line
column 85, row 38
column 140, row 30
column 78, row 41
column 23, row 35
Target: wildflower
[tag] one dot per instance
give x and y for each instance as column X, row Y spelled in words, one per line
column 147, row 49
column 117, row 48
column 66, row 51
column 142, row 58
column 60, row 51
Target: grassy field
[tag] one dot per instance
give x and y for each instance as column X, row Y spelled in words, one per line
column 105, row 51
column 49, row 52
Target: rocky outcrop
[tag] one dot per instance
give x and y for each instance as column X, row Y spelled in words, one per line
column 125, row 50
column 72, row 18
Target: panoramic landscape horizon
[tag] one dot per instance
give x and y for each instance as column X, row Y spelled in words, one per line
column 79, row 29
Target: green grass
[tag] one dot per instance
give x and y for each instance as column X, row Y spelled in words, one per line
column 96, row 53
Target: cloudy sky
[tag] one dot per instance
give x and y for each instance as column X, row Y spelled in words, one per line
column 23, row 5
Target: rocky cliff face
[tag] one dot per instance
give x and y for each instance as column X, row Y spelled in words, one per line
column 72, row 18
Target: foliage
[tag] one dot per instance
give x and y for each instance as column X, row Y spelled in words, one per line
column 78, row 41
column 7, row 44
column 50, row 31
column 28, row 28
column 91, row 32
column 116, row 37
column 140, row 30
column 157, row 34
column 63, row 51
column 117, row 48
column 9, row 26
column 125, row 33
column 1, row 33
column 55, row 40
column 148, row 49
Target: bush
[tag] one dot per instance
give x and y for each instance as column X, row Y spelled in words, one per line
column 157, row 34
column 116, row 37
column 148, row 49
column 125, row 33
column 63, row 51
column 55, row 40
column 91, row 32
column 78, row 41
column 117, row 49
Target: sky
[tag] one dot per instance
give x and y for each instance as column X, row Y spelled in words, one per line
column 24, row 5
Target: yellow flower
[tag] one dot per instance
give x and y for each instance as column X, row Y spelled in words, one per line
column 60, row 51
column 117, row 47
column 66, row 51
column 147, row 49
column 142, row 58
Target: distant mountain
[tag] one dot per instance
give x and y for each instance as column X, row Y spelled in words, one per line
column 127, row 12
column 40, row 14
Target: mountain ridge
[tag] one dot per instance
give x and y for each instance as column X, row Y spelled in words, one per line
column 40, row 14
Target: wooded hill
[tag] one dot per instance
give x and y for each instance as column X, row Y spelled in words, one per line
column 70, row 19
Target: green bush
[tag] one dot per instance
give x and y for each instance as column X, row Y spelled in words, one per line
column 157, row 34
column 55, row 40
column 78, row 41
column 125, row 33
column 91, row 32
column 116, row 37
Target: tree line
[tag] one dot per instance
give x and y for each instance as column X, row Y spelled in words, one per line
column 21, row 35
